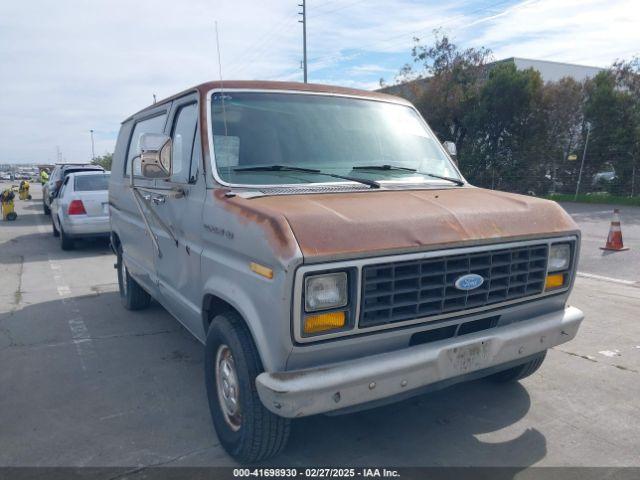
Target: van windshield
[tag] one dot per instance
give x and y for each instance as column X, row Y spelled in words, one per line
column 307, row 136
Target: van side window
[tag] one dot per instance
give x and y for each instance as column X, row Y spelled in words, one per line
column 184, row 130
column 150, row 125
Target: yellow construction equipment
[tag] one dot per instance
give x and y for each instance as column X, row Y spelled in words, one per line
column 24, row 190
column 8, row 213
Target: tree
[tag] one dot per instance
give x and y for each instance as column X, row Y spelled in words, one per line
column 563, row 103
column 627, row 75
column 509, row 129
column 613, row 112
column 104, row 161
column 454, row 78
column 492, row 112
column 514, row 132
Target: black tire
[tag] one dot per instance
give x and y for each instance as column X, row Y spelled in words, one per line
column 66, row 242
column 45, row 209
column 521, row 371
column 11, row 216
column 56, row 232
column 259, row 433
column 132, row 295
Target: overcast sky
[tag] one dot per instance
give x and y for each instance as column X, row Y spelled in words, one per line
column 71, row 66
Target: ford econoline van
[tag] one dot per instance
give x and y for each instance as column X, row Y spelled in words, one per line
column 324, row 247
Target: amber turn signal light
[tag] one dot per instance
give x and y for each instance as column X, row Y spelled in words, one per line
column 324, row 321
column 554, row 280
column 261, row 270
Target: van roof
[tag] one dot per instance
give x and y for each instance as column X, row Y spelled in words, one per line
column 203, row 88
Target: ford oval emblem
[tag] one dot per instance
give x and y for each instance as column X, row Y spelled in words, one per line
column 470, row 281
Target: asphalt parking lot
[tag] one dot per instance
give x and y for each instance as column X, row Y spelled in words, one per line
column 84, row 382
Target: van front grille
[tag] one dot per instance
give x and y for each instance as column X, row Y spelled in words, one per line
column 401, row 291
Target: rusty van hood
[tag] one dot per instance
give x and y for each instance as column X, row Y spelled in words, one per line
column 343, row 225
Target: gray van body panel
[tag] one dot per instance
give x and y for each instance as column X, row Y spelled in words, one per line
column 126, row 222
column 220, row 249
column 178, row 269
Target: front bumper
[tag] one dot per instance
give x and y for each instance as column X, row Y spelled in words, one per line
column 341, row 385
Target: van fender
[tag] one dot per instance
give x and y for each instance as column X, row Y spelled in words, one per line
column 272, row 354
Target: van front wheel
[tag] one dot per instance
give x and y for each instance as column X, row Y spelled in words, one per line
column 246, row 429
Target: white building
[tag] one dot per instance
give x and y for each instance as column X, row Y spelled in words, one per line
column 554, row 71
column 549, row 71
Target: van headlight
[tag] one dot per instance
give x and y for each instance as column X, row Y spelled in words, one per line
column 323, row 292
column 559, row 257
column 558, row 266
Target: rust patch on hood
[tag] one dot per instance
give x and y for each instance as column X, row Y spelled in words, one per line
column 340, row 225
column 277, row 230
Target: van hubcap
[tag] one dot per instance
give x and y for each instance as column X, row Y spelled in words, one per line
column 228, row 387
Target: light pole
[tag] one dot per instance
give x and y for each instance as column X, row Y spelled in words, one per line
column 304, row 36
column 584, row 154
column 93, row 150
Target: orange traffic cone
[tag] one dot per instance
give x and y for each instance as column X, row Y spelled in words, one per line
column 614, row 240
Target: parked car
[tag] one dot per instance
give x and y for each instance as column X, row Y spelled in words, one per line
column 322, row 245
column 604, row 177
column 56, row 178
column 81, row 208
column 5, row 176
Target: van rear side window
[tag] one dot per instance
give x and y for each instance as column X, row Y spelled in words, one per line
column 150, row 125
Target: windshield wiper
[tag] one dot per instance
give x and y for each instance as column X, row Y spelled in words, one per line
column 275, row 168
column 285, row 168
column 457, row 181
column 382, row 167
column 371, row 183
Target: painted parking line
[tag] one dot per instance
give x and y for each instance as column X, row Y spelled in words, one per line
column 43, row 227
column 80, row 335
column 79, row 332
column 608, row 279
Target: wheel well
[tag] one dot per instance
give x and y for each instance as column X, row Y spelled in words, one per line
column 212, row 306
column 115, row 242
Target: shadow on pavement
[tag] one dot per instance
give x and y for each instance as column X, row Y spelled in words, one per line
column 22, row 248
column 150, row 368
column 26, row 220
column 435, row 429
column 125, row 389
column 34, row 205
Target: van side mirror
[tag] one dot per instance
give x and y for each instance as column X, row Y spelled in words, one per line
column 155, row 156
column 451, row 148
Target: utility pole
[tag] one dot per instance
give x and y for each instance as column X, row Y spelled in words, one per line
column 304, row 36
column 93, row 150
column 58, row 154
column 584, row 155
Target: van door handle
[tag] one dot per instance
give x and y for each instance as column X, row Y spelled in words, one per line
column 158, row 200
column 146, row 196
